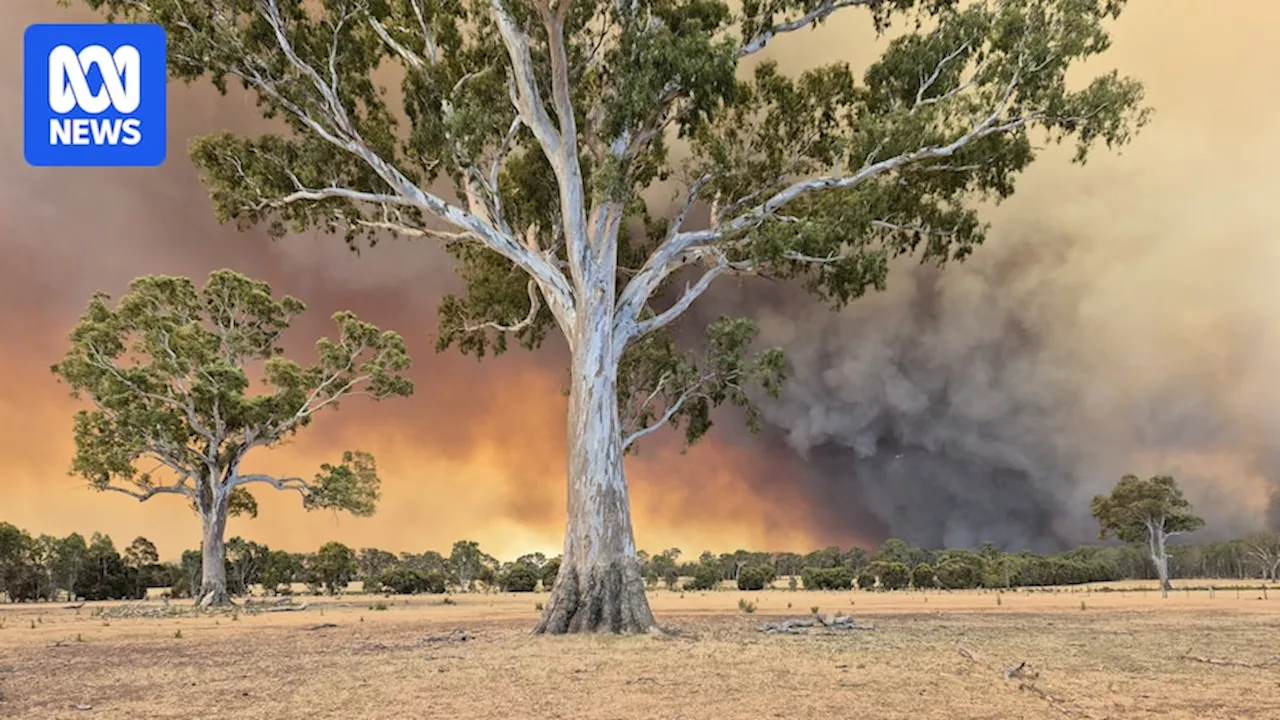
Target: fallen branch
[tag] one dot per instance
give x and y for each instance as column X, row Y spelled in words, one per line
column 76, row 606
column 322, row 626
column 1273, row 660
column 799, row 626
column 288, row 608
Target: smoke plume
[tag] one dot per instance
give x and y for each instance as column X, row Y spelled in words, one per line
column 1123, row 317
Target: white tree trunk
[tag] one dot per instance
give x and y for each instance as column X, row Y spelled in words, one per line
column 1161, row 559
column 599, row 587
column 213, row 569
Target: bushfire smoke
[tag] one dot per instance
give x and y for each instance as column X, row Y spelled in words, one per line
column 1122, row 318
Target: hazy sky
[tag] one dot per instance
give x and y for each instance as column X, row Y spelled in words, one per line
column 1151, row 289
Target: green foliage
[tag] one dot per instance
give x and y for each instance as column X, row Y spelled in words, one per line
column 890, row 576
column 519, row 578
column 334, row 564
column 1137, row 509
column 166, row 372
column 922, row 577
column 836, row 578
column 278, row 569
column 407, row 581
column 549, row 572
column 755, row 577
column 542, row 119
column 960, row 570
column 707, row 576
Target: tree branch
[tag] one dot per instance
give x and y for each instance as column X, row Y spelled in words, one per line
column 535, row 304
column 818, row 14
column 143, row 496
column 302, row 487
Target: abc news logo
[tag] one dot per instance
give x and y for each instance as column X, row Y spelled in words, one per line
column 94, row 95
column 69, row 89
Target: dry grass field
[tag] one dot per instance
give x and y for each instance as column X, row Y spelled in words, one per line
column 1089, row 654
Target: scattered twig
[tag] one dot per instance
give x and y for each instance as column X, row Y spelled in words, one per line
column 1026, row 676
column 454, row 636
column 641, row 679
column 81, row 707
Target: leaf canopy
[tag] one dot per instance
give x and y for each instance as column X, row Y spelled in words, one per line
column 1136, row 509
column 524, row 135
column 166, row 373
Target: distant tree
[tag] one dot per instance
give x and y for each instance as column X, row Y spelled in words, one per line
column 467, row 562
column 372, row 562
column 105, row 574
column 1151, row 510
column 141, row 555
column 141, row 552
column 17, row 567
column 519, row 577
column 706, row 577
column 536, row 559
column 1264, row 547
column 855, row 559
column 334, row 566
column 244, row 564
column 68, row 561
column 192, row 571
column 789, row 563
column 755, row 577
column 166, row 372
column 893, row 550
column 960, row 570
column 835, row 578
column 884, row 575
column 549, row 571
column 278, row 569
column 922, row 577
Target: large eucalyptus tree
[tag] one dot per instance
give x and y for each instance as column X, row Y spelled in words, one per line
column 522, row 134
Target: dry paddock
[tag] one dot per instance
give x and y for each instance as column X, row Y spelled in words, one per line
column 1088, row 654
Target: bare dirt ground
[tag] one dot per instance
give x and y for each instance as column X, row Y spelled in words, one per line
column 1089, row 654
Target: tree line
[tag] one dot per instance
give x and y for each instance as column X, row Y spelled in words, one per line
column 44, row 567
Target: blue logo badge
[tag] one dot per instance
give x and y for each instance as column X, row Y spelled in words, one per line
column 94, row 95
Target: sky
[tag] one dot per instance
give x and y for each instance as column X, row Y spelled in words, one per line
column 1123, row 317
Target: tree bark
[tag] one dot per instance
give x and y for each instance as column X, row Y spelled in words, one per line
column 599, row 587
column 1161, row 559
column 213, row 569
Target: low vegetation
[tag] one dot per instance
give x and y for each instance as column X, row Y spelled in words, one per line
column 47, row 568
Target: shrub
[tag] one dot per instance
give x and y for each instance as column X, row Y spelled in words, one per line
column 746, row 607
column 893, row 575
column 836, row 578
column 406, row 581
column 922, row 576
column 706, row 577
column 519, row 578
column 960, row 572
column 754, row 577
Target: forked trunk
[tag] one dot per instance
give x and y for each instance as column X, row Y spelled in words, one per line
column 599, row 587
column 213, row 569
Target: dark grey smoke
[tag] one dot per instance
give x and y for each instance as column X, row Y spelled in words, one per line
column 977, row 403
